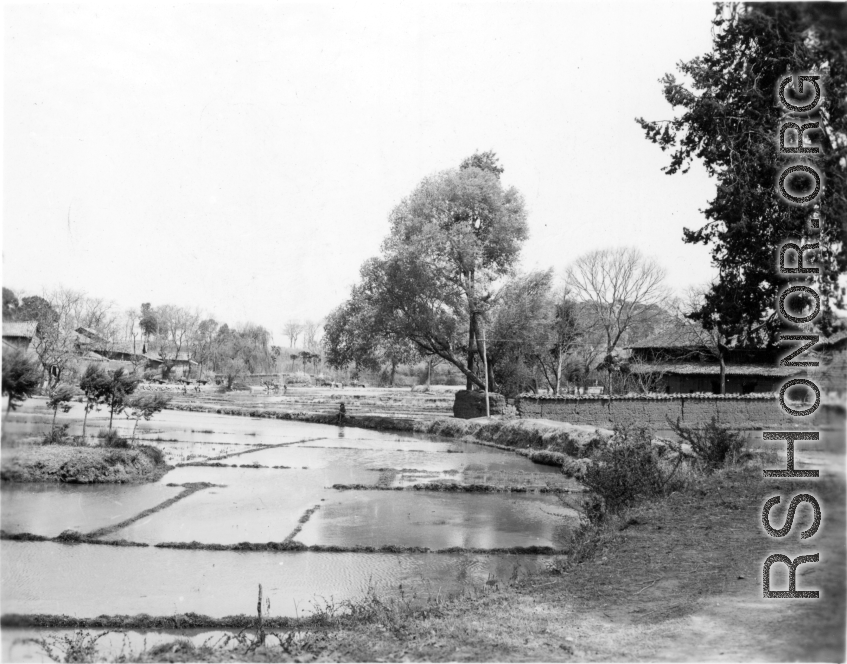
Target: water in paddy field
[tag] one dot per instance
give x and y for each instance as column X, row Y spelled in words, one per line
column 439, row 520
column 88, row 580
column 285, row 492
column 48, row 508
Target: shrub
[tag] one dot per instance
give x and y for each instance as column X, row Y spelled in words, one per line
column 112, row 438
column 625, row 471
column 714, row 445
column 510, row 412
column 156, row 455
column 58, row 436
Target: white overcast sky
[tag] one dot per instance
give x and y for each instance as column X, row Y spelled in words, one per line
column 243, row 158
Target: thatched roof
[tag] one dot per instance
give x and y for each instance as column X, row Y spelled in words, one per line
column 714, row 369
column 20, row 329
column 116, row 347
column 686, row 336
column 182, row 357
column 833, row 339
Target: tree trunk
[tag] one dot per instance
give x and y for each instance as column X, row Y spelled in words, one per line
column 722, row 361
column 470, row 352
column 53, row 424
column 471, row 328
column 559, row 373
column 84, row 422
column 260, row 635
column 429, row 371
column 111, row 415
column 132, row 440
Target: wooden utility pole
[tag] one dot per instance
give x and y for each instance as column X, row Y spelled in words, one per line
column 485, row 367
column 261, row 631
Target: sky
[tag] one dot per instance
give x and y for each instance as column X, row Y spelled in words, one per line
column 243, row 158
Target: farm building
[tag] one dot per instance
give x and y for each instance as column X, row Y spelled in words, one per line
column 682, row 363
column 19, row 334
column 182, row 365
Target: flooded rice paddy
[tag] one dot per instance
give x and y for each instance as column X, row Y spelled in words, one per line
column 276, row 486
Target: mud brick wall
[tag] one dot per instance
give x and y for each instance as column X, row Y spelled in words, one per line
column 749, row 411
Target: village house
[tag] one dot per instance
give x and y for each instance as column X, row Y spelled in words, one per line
column 92, row 345
column 831, row 375
column 20, row 335
column 680, row 362
column 182, row 364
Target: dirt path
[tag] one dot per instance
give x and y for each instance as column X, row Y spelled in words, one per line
column 695, row 593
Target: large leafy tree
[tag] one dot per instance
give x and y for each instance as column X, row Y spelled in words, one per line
column 356, row 334
column 451, row 240
column 519, row 331
column 729, row 122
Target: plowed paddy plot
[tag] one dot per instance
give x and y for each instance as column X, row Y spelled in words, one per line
column 438, row 521
column 87, row 580
column 254, row 505
column 48, row 509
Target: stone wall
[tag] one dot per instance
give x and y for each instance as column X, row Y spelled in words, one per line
column 472, row 404
column 749, row 411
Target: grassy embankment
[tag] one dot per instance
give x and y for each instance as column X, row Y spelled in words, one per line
column 82, row 464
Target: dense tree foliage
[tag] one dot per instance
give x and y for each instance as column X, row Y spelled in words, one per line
column 519, row 331
column 729, row 123
column 60, row 397
column 450, row 241
column 355, row 335
column 118, row 388
column 21, row 377
column 95, row 385
column 144, row 406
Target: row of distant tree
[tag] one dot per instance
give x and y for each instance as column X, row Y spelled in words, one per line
column 166, row 332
